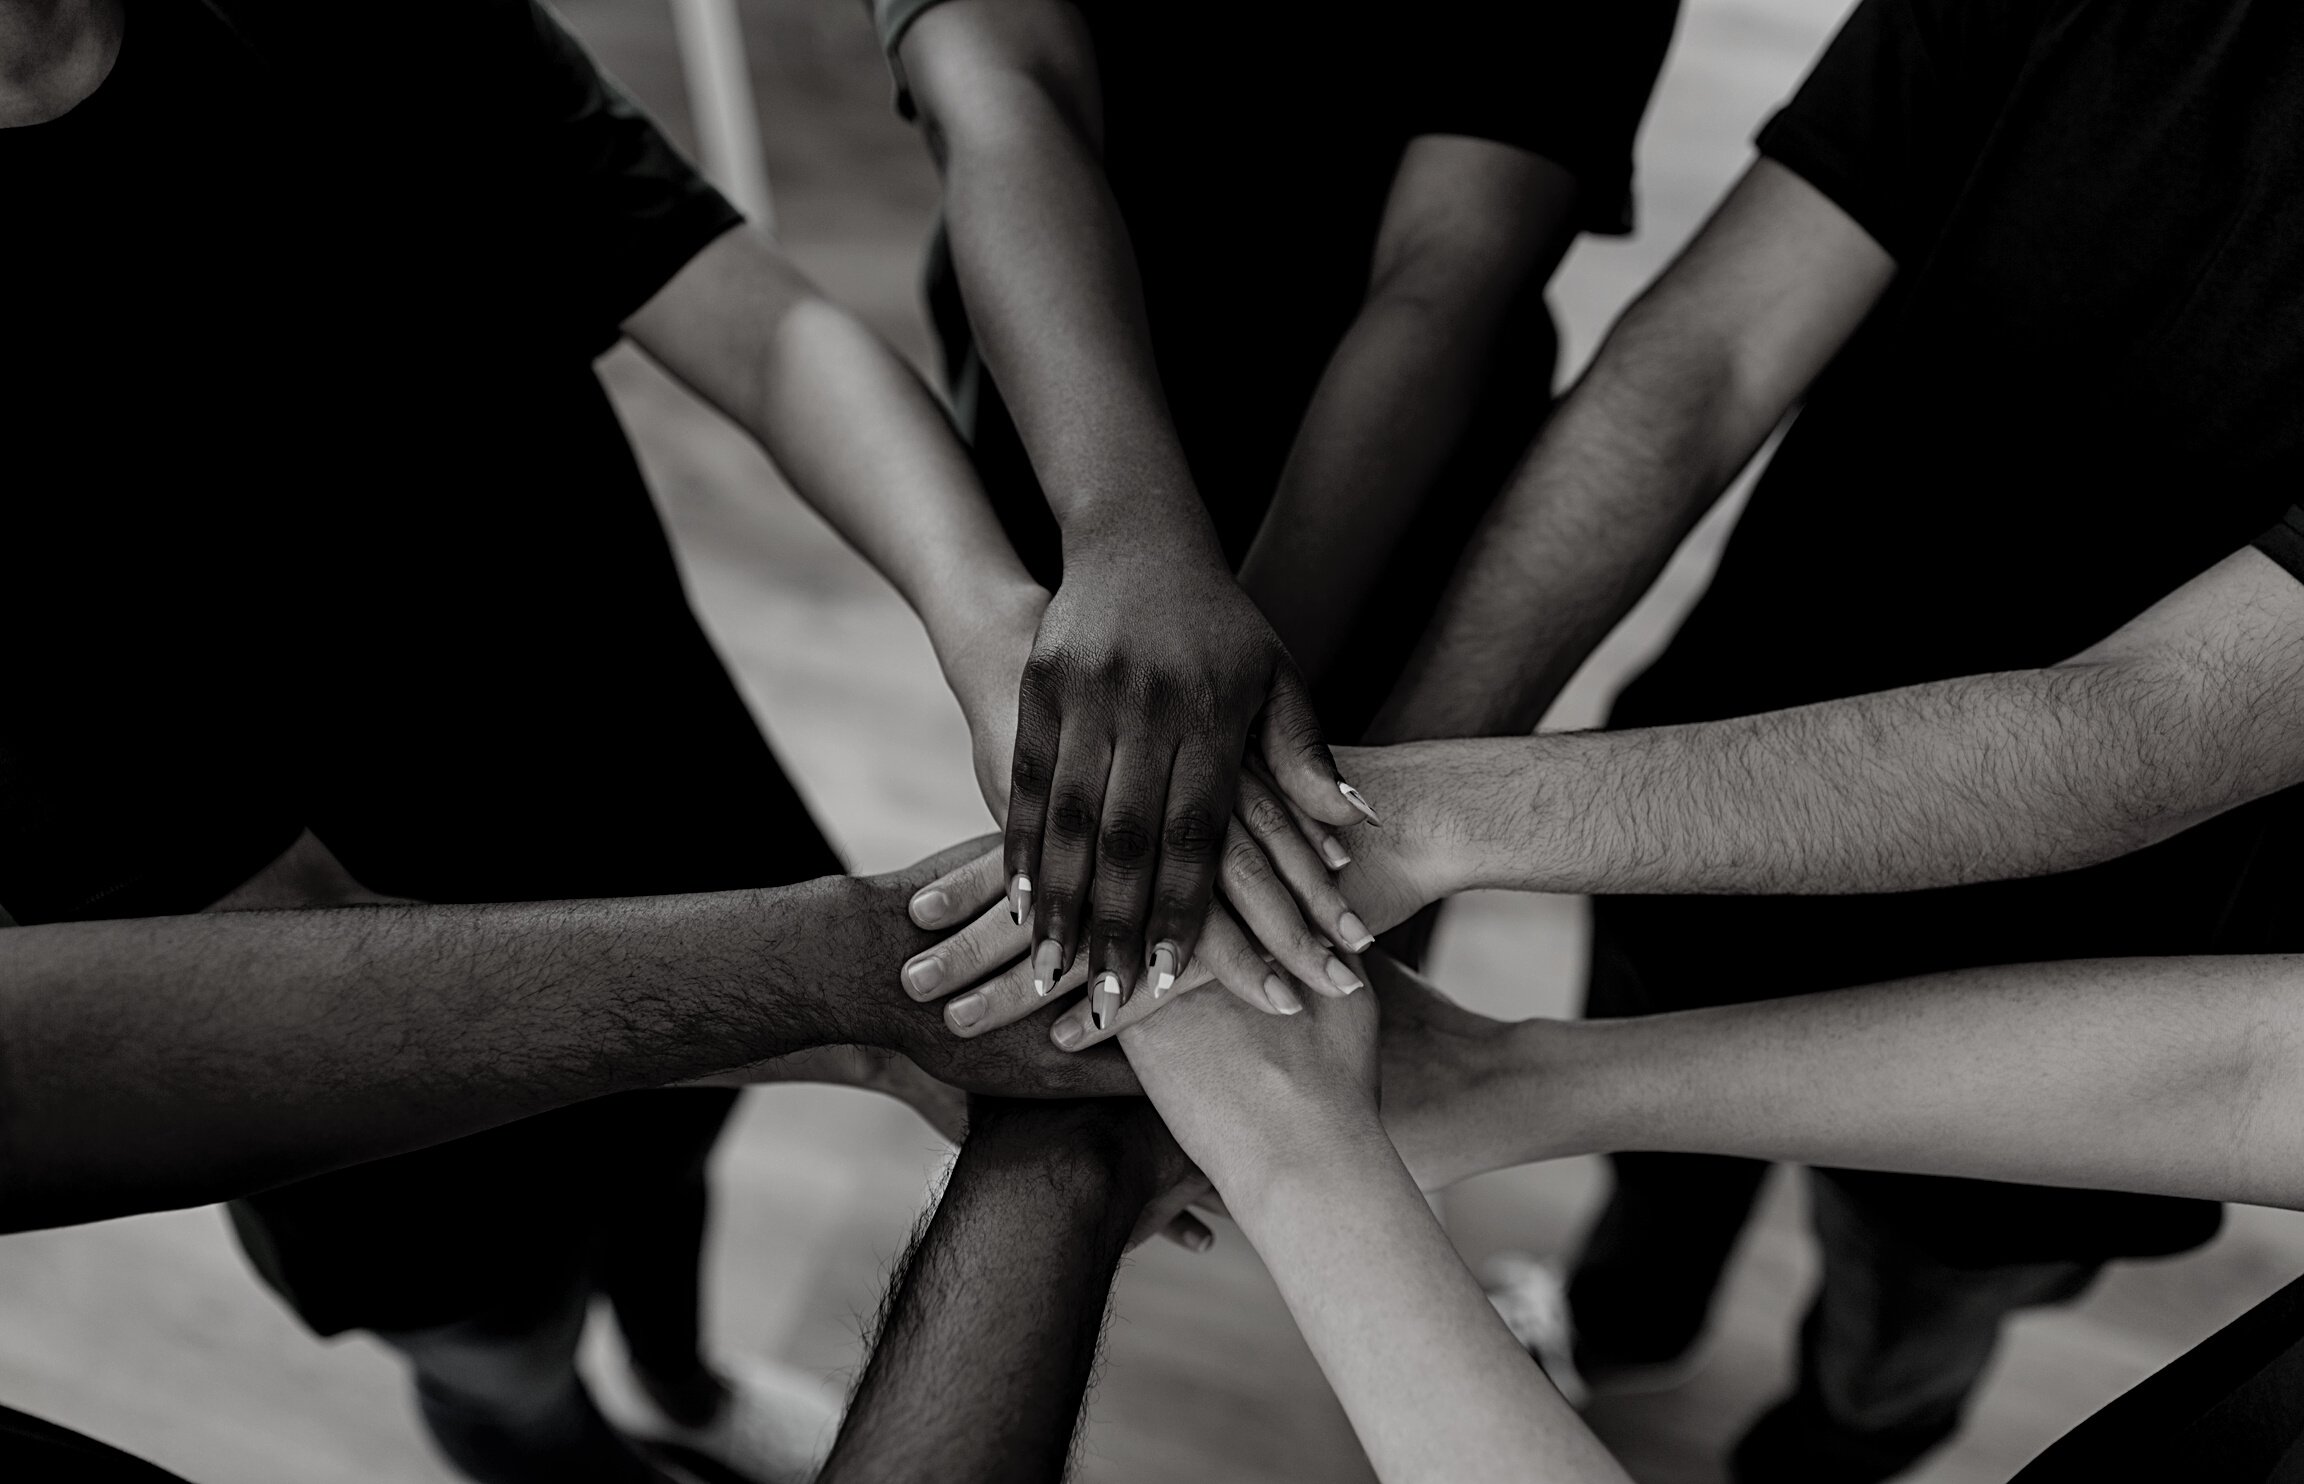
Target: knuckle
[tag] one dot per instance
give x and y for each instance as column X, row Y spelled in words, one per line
column 1264, row 814
column 1032, row 771
column 1192, row 836
column 1126, row 843
column 1073, row 812
column 1244, row 863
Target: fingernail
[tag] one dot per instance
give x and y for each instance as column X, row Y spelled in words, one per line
column 1164, row 960
column 1068, row 1032
column 1343, row 978
column 1199, row 1239
column 967, row 1010
column 1332, row 850
column 1105, row 1002
column 1351, row 796
column 1020, row 894
column 1280, row 997
column 1354, row 932
column 923, row 974
column 1047, row 967
column 929, row 905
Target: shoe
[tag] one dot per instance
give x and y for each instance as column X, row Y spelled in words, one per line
column 1532, row 1300
column 1531, row 1296
column 776, row 1427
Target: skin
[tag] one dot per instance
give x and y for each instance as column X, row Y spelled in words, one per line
column 1130, row 732
column 180, row 1060
column 1284, row 1119
column 53, row 53
column 1468, row 226
column 989, row 1334
column 1692, row 379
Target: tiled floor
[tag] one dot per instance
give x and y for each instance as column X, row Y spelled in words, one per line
column 148, row 1333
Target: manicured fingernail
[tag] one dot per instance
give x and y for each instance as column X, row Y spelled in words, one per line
column 929, row 905
column 1332, row 851
column 967, row 1010
column 1343, row 978
column 1104, row 1003
column 1199, row 1239
column 1047, row 967
column 1352, row 797
column 1164, row 960
column 923, row 974
column 1354, row 932
column 1020, row 894
column 1280, row 997
column 1068, row 1033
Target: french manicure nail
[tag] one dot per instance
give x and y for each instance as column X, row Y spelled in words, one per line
column 1105, row 1002
column 929, row 905
column 922, row 975
column 1020, row 895
column 1354, row 932
column 1332, row 851
column 1352, row 797
column 1343, row 978
column 1047, row 967
column 1164, row 960
column 1068, row 1032
column 967, row 1010
column 1280, row 997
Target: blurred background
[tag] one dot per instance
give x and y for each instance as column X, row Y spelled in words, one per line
column 150, row 1334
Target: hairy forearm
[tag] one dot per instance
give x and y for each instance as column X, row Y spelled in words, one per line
column 2166, row 1076
column 989, row 1335
column 1982, row 778
column 1057, row 307
column 1647, row 441
column 1388, row 412
column 172, row 1061
column 1435, row 1386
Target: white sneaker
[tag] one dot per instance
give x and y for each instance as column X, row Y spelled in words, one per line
column 1532, row 1299
column 777, row 1427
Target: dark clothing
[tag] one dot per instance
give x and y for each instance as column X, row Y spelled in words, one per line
column 37, row 1452
column 1251, row 150
column 2078, row 395
column 2228, row 1411
column 318, row 516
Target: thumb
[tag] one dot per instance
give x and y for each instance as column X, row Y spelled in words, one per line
column 1288, row 733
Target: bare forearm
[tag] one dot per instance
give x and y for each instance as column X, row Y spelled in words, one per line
column 1058, row 311
column 2166, row 1076
column 1636, row 454
column 857, row 433
column 990, row 1331
column 1435, row 1386
column 1388, row 412
column 1983, row 778
column 179, row 1060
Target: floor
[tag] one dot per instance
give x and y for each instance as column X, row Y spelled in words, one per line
column 150, row 1334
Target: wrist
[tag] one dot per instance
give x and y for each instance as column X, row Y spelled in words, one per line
column 981, row 647
column 1090, row 1150
column 1286, row 1165
column 1172, row 530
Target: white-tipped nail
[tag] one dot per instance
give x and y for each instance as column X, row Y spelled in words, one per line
column 1047, row 967
column 1280, row 997
column 1332, row 851
column 1163, row 969
column 1355, row 932
column 1105, row 1002
column 1020, row 896
column 1352, row 797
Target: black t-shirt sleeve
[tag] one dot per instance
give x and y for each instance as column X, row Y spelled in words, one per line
column 1891, row 120
column 612, row 209
column 1568, row 82
column 2284, row 543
